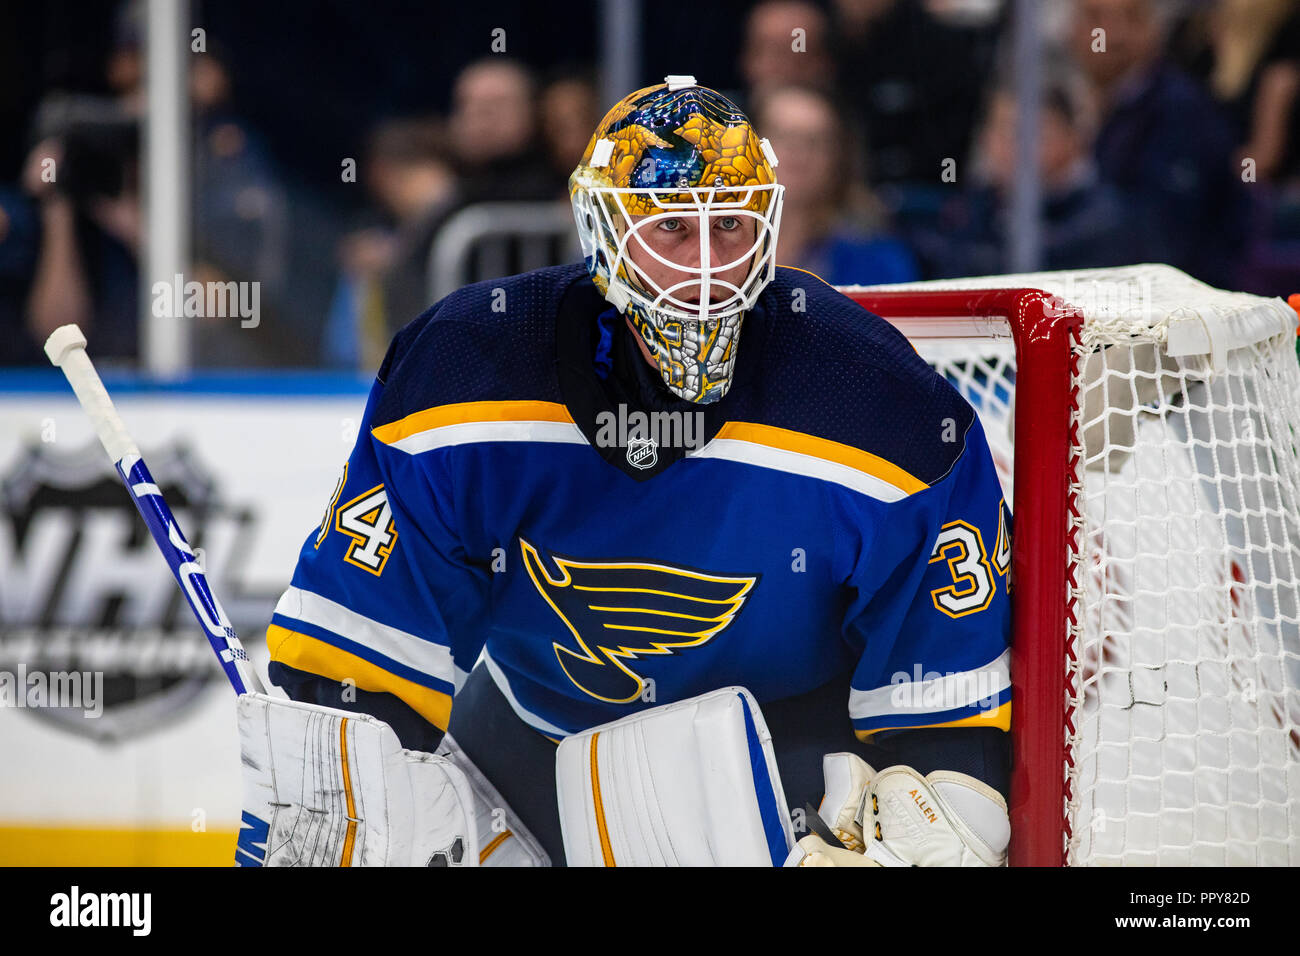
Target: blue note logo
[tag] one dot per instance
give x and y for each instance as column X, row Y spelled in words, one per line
column 617, row 612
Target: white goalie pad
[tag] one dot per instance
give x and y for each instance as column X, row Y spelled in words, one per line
column 693, row 783
column 327, row 787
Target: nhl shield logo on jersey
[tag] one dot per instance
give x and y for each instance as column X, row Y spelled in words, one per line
column 642, row 453
column 619, row 611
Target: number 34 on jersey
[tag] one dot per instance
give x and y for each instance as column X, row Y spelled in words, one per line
column 368, row 520
column 974, row 581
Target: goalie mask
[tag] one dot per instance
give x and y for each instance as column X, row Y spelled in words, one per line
column 677, row 209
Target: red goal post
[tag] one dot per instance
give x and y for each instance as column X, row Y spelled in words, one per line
column 1042, row 331
column 1146, row 428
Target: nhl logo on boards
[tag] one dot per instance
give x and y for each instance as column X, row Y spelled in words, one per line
column 642, row 453
column 82, row 590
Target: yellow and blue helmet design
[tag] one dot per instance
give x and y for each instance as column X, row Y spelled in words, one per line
column 679, row 151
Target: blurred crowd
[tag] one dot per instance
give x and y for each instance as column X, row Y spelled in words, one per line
column 1169, row 132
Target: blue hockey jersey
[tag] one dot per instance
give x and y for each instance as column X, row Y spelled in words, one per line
column 837, row 511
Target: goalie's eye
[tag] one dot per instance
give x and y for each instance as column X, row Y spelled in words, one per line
column 728, row 223
column 672, row 225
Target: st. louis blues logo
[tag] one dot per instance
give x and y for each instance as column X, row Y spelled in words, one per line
column 618, row 611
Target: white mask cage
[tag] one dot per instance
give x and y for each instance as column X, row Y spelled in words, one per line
column 608, row 230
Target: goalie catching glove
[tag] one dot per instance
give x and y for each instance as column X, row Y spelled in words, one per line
column 899, row 818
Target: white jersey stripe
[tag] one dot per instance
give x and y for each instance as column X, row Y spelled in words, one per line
column 796, row 463
column 411, row 650
column 934, row 694
column 467, row 433
column 726, row 449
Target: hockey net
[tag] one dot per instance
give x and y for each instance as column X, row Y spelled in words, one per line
column 1146, row 428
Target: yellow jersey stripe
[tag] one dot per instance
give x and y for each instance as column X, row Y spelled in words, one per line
column 464, row 413
column 306, row 653
column 1000, row 718
column 825, row 449
column 806, row 272
column 770, row 435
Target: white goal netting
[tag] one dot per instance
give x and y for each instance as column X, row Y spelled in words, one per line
column 1186, row 679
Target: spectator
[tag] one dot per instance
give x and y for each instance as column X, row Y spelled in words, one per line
column 407, row 171
column 830, row 225
column 500, row 157
column 1162, row 143
column 240, row 228
column 786, row 42
column 1247, row 52
column 1227, row 46
column 83, row 178
column 493, row 130
column 1083, row 219
column 19, row 245
column 569, row 112
column 83, row 173
column 124, row 70
column 914, row 82
column 1274, row 138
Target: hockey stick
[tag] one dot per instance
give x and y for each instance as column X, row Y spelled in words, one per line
column 66, row 348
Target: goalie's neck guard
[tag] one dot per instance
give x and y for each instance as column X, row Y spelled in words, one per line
column 680, row 152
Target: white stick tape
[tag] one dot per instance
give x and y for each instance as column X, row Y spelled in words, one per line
column 66, row 348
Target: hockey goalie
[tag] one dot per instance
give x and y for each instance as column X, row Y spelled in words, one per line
column 640, row 560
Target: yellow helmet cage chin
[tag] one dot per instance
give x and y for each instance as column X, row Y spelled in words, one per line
column 678, row 151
